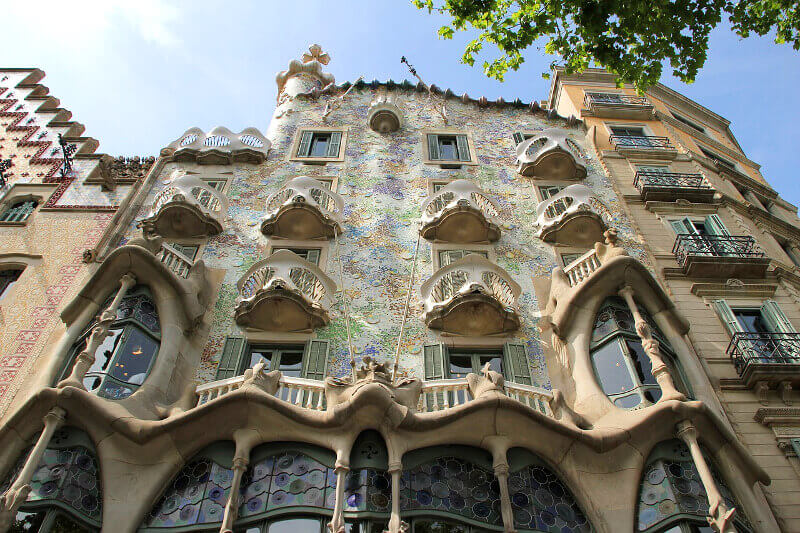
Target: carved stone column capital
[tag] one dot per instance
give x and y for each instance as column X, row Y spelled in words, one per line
column 686, row 430
column 127, row 280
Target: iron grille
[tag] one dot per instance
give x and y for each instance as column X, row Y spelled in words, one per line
column 743, row 246
column 669, row 180
column 764, row 348
column 641, row 141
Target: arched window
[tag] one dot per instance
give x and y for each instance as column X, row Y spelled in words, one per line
column 123, row 360
column 450, row 484
column 8, row 278
column 65, row 490
column 18, row 211
column 540, row 500
column 620, row 363
column 198, row 493
column 672, row 498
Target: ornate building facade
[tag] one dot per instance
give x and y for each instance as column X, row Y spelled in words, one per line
column 403, row 309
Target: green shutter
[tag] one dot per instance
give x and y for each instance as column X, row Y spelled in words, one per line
column 715, row 226
column 433, row 147
column 727, row 316
column 518, row 138
column 434, row 363
column 680, row 227
column 516, row 365
column 305, row 144
column 315, row 360
column 334, row 144
column 312, row 256
column 463, row 148
column 796, row 447
column 775, row 318
column 231, row 358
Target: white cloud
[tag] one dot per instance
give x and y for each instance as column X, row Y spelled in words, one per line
column 84, row 22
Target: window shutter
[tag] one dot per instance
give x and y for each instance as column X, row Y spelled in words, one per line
column 463, row 148
column 231, row 357
column 305, row 144
column 434, row 365
column 775, row 318
column 519, row 138
column 516, row 363
column 313, row 257
column 727, row 316
column 433, row 147
column 680, row 227
column 716, row 227
column 796, row 447
column 334, row 144
column 315, row 359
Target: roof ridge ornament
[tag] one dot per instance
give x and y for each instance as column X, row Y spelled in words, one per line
column 304, row 77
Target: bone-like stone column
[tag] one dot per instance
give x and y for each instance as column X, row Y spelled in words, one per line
column 720, row 518
column 396, row 525
column 501, row 472
column 232, row 507
column 17, row 493
column 336, row 525
column 659, row 369
column 85, row 359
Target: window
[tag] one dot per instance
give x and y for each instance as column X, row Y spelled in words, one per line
column 453, row 148
column 309, row 360
column 309, row 254
column 215, row 184
column 718, row 159
column 688, row 122
column 621, row 365
column 123, row 360
column 520, row 137
column 628, row 131
column 569, row 258
column 19, row 211
column 790, row 251
column 320, row 145
column 759, row 331
column 441, row 362
column 8, row 278
column 439, row 185
column 188, row 250
column 711, row 225
column 653, row 169
column 548, row 191
column 447, row 257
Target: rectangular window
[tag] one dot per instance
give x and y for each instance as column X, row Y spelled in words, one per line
column 447, row 257
column 462, row 362
column 520, row 137
column 309, row 360
column 726, row 163
column 217, row 185
column 319, row 145
column 712, row 225
column 448, row 147
column 569, row 258
column 548, row 191
column 653, row 169
column 441, row 362
column 688, row 122
column 628, row 131
column 309, row 254
column 188, row 250
column 438, row 186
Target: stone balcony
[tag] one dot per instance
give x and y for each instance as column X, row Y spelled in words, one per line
column 219, row 146
column 550, row 154
column 616, row 105
column 284, row 293
column 187, row 208
column 460, row 213
column 718, row 256
column 570, row 218
column 303, row 209
column 671, row 186
column 471, row 296
column 766, row 360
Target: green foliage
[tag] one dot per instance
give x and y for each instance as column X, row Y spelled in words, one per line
column 632, row 39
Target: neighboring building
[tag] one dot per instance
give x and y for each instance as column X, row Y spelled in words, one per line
column 404, row 309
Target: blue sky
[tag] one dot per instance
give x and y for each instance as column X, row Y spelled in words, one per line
column 138, row 74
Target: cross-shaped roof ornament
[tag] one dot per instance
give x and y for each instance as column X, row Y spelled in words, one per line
column 316, row 54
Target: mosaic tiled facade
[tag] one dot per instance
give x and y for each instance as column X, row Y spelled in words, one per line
column 398, row 309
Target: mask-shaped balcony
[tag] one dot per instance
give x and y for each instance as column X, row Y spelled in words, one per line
column 550, row 154
column 219, row 146
column 460, row 213
column 284, row 293
column 471, row 296
column 569, row 218
column 303, row 209
column 187, row 207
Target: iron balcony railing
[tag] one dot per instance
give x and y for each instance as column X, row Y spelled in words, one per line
column 641, row 141
column 616, row 99
column 748, row 349
column 669, row 180
column 742, row 246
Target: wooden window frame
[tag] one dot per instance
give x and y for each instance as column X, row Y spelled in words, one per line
column 437, row 248
column 318, row 160
column 448, row 163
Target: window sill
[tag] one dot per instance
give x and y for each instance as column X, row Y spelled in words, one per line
column 14, row 224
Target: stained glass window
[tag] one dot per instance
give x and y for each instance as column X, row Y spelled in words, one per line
column 123, row 360
column 67, row 476
column 454, row 486
column 671, row 489
column 541, row 502
column 197, row 495
column 621, row 365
